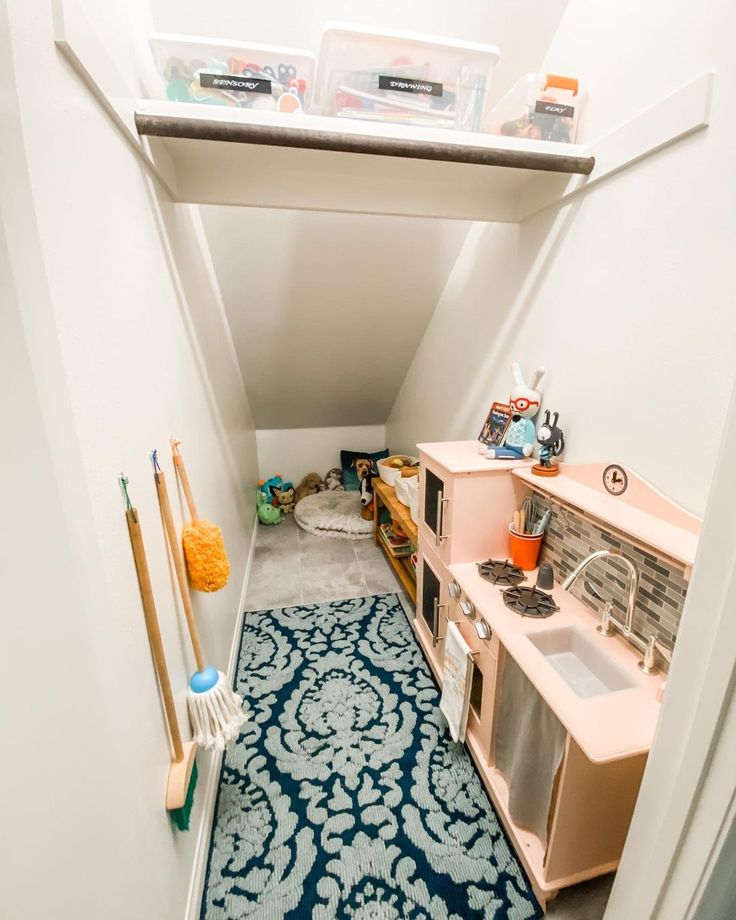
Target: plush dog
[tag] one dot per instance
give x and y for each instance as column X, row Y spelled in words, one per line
column 363, row 467
column 333, row 480
column 308, row 486
column 365, row 471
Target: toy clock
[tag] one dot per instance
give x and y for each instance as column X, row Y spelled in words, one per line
column 615, row 479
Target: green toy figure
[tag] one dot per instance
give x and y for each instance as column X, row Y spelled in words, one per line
column 267, row 513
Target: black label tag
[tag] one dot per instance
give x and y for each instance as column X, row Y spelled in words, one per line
column 235, row 83
column 402, row 85
column 554, row 108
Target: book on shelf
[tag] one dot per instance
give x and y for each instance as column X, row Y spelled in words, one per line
column 397, row 544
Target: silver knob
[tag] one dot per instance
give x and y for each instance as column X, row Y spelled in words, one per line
column 467, row 607
column 483, row 630
column 454, row 589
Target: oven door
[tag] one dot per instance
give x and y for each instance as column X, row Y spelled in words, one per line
column 483, row 686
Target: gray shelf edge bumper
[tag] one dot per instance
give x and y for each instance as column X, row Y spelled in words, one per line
column 277, row 136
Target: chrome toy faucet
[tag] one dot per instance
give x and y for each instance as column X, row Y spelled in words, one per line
column 633, row 585
column 608, row 621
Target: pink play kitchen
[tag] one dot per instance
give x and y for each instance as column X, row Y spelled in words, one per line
column 548, row 600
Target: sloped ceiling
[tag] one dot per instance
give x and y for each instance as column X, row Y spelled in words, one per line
column 326, row 309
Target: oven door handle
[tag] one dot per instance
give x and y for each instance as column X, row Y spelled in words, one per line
column 436, row 637
column 440, row 535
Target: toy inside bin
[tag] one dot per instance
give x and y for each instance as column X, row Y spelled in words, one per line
column 235, row 74
column 384, row 75
column 540, row 106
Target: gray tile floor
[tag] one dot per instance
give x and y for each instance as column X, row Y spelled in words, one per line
column 291, row 566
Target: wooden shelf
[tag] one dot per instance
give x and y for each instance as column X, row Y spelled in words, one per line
column 410, row 586
column 212, row 155
column 398, row 512
column 386, row 496
column 331, row 134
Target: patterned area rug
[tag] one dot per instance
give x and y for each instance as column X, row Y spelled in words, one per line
column 345, row 796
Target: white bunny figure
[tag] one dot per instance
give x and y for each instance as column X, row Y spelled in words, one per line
column 525, row 401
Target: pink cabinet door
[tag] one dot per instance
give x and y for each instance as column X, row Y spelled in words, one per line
column 435, row 508
column 432, row 603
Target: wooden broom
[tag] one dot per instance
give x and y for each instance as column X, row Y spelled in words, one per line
column 183, row 770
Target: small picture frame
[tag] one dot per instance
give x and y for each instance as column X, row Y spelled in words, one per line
column 495, row 426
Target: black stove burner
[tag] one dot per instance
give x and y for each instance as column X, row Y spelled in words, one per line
column 500, row 573
column 529, row 602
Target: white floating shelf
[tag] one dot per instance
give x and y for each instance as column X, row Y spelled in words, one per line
column 211, row 155
column 663, row 532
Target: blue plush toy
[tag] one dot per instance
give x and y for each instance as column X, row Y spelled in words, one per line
column 266, row 488
column 521, row 433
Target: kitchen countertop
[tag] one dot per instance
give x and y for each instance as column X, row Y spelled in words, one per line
column 463, row 457
column 609, row 727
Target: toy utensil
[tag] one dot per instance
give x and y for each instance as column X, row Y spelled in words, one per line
column 216, row 711
column 183, row 771
column 204, row 548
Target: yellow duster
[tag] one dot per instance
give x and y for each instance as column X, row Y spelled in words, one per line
column 204, row 551
column 204, row 548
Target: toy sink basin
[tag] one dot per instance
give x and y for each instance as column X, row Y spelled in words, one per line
column 581, row 662
column 388, row 473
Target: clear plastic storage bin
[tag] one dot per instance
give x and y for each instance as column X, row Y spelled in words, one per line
column 236, row 74
column 540, row 106
column 386, row 76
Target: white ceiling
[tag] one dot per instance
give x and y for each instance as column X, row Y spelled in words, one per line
column 327, row 310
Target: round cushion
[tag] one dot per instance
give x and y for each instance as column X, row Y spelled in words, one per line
column 333, row 514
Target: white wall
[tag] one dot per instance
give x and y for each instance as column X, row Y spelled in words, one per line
column 294, row 452
column 327, row 310
column 112, row 339
column 626, row 294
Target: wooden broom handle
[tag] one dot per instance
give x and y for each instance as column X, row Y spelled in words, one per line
column 154, row 631
column 181, row 574
column 181, row 472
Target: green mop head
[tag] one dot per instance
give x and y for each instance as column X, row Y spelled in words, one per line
column 181, row 816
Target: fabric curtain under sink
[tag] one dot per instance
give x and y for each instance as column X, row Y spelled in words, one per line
column 530, row 742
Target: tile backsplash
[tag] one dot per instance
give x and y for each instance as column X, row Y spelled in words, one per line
column 662, row 586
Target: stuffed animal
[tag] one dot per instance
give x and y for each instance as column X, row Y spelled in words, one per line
column 308, row 486
column 267, row 514
column 525, row 401
column 267, row 486
column 285, row 498
column 551, row 440
column 365, row 471
column 333, row 480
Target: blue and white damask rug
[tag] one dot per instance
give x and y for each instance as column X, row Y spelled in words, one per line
column 345, row 796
